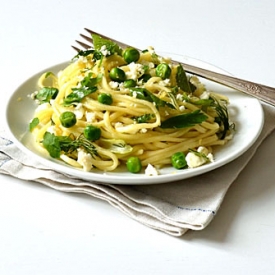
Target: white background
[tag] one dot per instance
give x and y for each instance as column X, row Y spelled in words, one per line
column 43, row 231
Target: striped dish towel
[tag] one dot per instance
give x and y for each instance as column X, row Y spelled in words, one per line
column 172, row 208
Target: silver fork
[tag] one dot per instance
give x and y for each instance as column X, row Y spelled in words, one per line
column 262, row 92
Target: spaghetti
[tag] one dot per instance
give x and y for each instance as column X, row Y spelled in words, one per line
column 145, row 112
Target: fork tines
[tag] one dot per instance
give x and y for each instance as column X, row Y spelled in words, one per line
column 119, row 43
column 89, row 40
column 89, row 45
column 84, row 45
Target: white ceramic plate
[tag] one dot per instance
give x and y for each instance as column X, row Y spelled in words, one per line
column 245, row 111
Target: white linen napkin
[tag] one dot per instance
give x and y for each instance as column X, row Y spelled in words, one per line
column 171, row 207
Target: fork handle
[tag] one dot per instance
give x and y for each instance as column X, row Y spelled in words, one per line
column 262, row 92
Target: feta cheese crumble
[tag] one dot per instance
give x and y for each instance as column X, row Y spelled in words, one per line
column 104, row 50
column 85, row 160
column 136, row 70
column 165, row 82
column 113, row 84
column 151, row 170
column 182, row 108
column 205, row 95
column 33, row 95
column 195, row 160
column 90, row 116
column 79, row 111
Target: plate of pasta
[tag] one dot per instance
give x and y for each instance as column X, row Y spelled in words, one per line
column 130, row 117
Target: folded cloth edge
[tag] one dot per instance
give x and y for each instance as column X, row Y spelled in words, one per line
column 130, row 200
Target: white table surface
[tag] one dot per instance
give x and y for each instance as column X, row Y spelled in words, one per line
column 43, row 231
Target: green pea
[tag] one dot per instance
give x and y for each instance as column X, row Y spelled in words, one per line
column 130, row 83
column 178, row 160
column 92, row 132
column 133, row 165
column 163, row 70
column 117, row 74
column 131, row 55
column 105, row 99
column 67, row 119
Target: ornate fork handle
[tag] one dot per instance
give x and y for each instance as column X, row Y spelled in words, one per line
column 262, row 92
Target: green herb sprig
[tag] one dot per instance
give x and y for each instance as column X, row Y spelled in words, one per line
column 33, row 123
column 184, row 120
column 110, row 45
column 182, row 80
column 223, row 118
column 142, row 93
column 45, row 94
column 87, row 86
column 55, row 145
